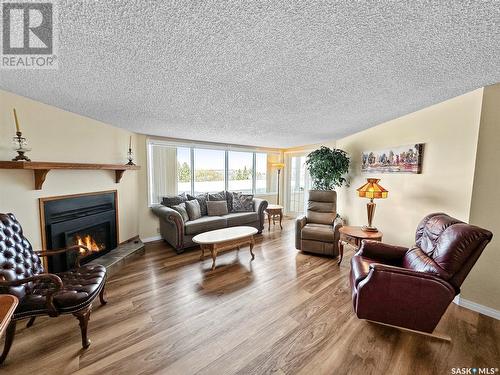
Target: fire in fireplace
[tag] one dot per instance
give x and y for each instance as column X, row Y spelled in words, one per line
column 89, row 242
column 94, row 238
column 87, row 219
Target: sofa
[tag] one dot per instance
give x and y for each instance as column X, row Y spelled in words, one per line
column 179, row 232
column 318, row 231
column 412, row 287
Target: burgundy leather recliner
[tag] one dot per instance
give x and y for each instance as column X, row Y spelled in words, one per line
column 412, row 287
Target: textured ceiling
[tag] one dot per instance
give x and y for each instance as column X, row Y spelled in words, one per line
column 265, row 73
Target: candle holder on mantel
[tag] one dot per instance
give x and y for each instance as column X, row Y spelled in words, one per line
column 20, row 146
column 130, row 157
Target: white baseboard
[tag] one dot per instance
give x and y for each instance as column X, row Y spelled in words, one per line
column 485, row 310
column 151, row 239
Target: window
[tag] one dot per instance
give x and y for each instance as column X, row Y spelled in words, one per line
column 175, row 168
column 261, row 176
column 209, row 170
column 240, row 171
column 183, row 170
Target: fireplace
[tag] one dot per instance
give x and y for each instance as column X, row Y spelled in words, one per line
column 86, row 219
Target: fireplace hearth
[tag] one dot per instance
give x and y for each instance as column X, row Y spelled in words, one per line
column 86, row 219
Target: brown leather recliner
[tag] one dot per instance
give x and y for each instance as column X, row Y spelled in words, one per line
column 412, row 287
column 41, row 293
column 318, row 231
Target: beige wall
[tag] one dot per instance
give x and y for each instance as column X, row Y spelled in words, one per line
column 57, row 135
column 460, row 171
column 449, row 131
column 483, row 284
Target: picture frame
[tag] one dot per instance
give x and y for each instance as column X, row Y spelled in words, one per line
column 400, row 159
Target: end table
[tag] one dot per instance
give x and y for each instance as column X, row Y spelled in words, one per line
column 353, row 236
column 8, row 304
column 273, row 211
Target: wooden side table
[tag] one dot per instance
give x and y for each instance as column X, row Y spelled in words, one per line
column 353, row 236
column 8, row 304
column 273, row 211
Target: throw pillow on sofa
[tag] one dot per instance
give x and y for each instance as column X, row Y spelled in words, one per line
column 217, row 208
column 229, row 200
column 193, row 209
column 220, row 196
column 181, row 208
column 202, row 200
column 242, row 202
column 173, row 200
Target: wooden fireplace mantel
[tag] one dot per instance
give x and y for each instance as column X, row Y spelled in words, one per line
column 41, row 168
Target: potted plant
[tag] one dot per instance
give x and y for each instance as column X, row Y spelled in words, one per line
column 327, row 168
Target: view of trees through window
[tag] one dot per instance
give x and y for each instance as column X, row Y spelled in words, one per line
column 200, row 170
column 209, row 170
column 261, row 173
column 240, row 171
column 183, row 170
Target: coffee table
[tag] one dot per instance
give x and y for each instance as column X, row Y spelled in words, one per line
column 225, row 239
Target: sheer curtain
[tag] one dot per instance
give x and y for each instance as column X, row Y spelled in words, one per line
column 162, row 172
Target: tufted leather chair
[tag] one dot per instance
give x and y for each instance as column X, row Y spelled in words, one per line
column 412, row 287
column 318, row 231
column 41, row 293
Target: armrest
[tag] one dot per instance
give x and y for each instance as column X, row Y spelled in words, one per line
column 380, row 268
column 168, row 214
column 300, row 222
column 378, row 250
column 171, row 225
column 402, row 297
column 48, row 253
column 259, row 205
column 338, row 223
column 49, row 297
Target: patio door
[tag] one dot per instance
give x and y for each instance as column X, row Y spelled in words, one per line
column 297, row 183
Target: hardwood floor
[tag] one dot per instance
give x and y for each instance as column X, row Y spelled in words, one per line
column 286, row 313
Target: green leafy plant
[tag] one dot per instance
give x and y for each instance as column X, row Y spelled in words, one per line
column 184, row 172
column 327, row 168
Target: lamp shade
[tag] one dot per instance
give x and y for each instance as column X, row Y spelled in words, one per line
column 372, row 190
column 278, row 165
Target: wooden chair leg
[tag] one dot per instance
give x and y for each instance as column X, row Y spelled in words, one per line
column 31, row 322
column 102, row 296
column 83, row 317
column 9, row 339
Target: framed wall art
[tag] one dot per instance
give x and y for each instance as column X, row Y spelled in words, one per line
column 400, row 159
